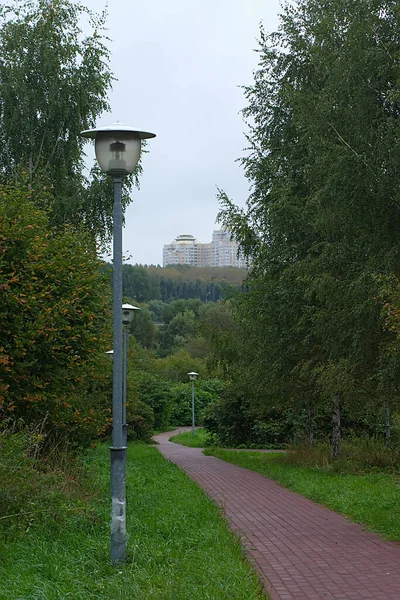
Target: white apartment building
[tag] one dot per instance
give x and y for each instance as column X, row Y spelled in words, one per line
column 182, row 251
column 222, row 251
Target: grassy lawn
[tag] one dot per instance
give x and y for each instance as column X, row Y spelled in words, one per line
column 198, row 440
column 373, row 500
column 179, row 548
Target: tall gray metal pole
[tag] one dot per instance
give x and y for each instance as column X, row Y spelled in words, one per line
column 118, row 448
column 124, row 423
column 192, row 407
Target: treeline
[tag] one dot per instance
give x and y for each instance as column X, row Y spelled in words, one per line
column 143, row 283
column 315, row 337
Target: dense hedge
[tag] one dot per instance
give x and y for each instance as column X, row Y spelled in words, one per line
column 54, row 323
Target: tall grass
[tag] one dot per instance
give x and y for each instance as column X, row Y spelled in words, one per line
column 363, row 455
column 33, row 487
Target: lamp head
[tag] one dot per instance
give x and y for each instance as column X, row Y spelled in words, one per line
column 117, row 147
column 127, row 313
column 193, row 376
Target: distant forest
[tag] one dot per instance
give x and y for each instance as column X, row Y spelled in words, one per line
column 210, row 284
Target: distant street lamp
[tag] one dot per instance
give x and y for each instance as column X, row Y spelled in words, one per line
column 127, row 317
column 193, row 376
column 117, row 148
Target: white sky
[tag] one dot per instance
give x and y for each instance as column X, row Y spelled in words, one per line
column 179, row 65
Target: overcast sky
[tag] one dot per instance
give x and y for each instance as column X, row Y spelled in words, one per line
column 179, row 66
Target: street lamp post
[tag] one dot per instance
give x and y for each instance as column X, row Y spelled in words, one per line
column 193, row 376
column 117, row 149
column 127, row 318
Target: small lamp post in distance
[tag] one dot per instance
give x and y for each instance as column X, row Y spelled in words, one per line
column 117, row 148
column 127, row 317
column 193, row 376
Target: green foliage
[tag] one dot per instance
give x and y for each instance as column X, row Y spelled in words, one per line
column 198, row 347
column 33, row 491
column 237, row 418
column 200, row 439
column 141, row 421
column 54, row 84
column 142, row 327
column 162, row 384
column 156, row 307
column 180, row 307
column 136, row 283
column 181, row 413
column 221, row 332
column 229, row 420
column 176, row 366
column 148, row 283
column 156, row 393
column 54, row 322
column 177, row 332
column 317, row 318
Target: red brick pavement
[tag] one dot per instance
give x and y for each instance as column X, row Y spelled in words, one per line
column 302, row 550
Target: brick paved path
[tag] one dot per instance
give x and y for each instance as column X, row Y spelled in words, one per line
column 302, row 550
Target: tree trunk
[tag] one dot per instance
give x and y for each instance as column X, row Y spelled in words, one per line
column 387, row 432
column 310, row 422
column 336, row 431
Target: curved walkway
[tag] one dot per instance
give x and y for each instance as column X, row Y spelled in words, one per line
column 302, row 550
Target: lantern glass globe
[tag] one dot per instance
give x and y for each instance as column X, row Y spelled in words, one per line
column 117, row 153
column 117, row 147
column 127, row 313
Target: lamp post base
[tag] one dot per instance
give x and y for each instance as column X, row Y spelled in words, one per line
column 118, row 504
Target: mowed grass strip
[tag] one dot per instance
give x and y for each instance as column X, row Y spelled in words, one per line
column 179, row 547
column 200, row 439
column 372, row 500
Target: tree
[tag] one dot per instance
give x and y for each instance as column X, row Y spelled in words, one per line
column 322, row 220
column 54, row 322
column 143, row 328
column 136, row 282
column 53, row 84
column 156, row 307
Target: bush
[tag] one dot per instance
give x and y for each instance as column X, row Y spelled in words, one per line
column 54, row 323
column 31, row 490
column 140, row 420
column 171, row 403
column 156, row 393
column 230, row 421
column 235, row 424
column 181, row 413
column 175, row 367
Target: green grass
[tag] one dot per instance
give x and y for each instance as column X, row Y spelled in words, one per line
column 179, row 547
column 200, row 439
column 372, row 499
